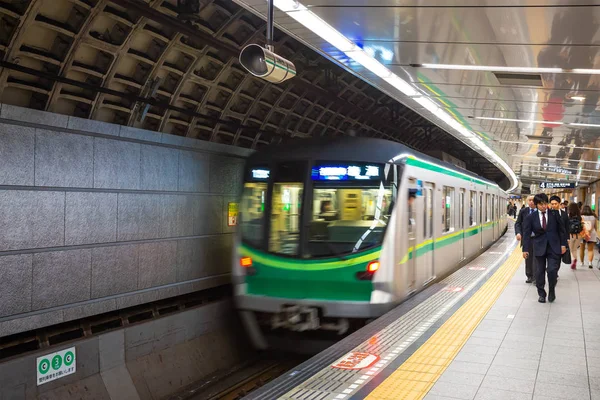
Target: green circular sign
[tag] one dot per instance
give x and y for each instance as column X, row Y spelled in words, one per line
column 44, row 366
column 69, row 358
column 56, row 362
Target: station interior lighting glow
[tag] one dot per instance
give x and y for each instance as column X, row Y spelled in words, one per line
column 314, row 23
column 492, row 68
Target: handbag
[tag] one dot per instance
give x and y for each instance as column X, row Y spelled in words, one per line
column 566, row 258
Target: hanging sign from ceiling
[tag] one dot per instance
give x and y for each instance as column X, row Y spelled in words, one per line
column 557, row 185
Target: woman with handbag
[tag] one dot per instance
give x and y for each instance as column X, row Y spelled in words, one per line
column 589, row 234
column 575, row 228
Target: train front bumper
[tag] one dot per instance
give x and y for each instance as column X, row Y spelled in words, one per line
column 332, row 309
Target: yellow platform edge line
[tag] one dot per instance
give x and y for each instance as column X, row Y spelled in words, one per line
column 416, row 376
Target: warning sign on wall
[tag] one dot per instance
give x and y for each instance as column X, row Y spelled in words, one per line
column 356, row 360
column 56, row 365
column 232, row 214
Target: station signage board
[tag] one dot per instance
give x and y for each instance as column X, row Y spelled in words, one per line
column 557, row 185
column 56, row 365
column 558, row 170
column 232, row 214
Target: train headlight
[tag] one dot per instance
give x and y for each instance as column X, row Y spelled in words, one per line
column 373, row 266
column 367, row 275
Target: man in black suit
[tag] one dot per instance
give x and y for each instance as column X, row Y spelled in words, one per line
column 564, row 216
column 550, row 242
column 530, row 262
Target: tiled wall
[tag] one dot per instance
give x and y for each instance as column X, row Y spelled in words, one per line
column 95, row 217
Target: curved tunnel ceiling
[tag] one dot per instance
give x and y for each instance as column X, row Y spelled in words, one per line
column 135, row 63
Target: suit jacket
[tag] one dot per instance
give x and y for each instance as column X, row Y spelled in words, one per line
column 564, row 217
column 523, row 213
column 552, row 238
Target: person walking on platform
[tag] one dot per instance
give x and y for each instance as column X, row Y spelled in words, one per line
column 550, row 243
column 529, row 263
column 555, row 204
column 574, row 230
column 589, row 240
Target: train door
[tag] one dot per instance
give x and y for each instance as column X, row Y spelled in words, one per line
column 481, row 223
column 461, row 222
column 428, row 245
column 412, row 243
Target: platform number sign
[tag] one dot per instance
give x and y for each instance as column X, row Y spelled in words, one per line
column 56, row 365
column 232, row 214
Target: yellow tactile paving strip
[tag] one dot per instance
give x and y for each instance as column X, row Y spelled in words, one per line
column 418, row 374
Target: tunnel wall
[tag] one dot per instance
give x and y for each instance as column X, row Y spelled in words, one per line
column 145, row 361
column 96, row 217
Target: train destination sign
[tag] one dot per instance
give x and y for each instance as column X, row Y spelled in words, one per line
column 557, row 185
column 346, row 172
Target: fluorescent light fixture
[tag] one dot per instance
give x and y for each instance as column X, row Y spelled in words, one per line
column 402, row 85
column 497, row 68
column 521, row 120
column 578, row 124
column 309, row 19
column 369, row 63
column 294, row 9
column 580, row 98
column 489, row 68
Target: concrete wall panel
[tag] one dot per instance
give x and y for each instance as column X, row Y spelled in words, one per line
column 159, row 168
column 116, row 164
column 158, row 264
column 90, row 218
column 114, row 270
column 226, row 173
column 30, row 219
column 63, row 159
column 133, row 203
column 89, row 125
column 29, row 115
column 140, row 134
column 193, row 172
column 15, row 284
column 61, row 277
column 17, row 155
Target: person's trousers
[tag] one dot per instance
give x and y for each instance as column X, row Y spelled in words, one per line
column 547, row 264
column 530, row 262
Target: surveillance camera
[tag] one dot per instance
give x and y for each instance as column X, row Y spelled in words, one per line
column 264, row 63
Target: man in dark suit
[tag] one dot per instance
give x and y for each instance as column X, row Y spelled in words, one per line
column 550, row 242
column 564, row 216
column 530, row 262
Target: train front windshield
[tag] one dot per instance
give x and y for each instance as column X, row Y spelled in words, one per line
column 347, row 208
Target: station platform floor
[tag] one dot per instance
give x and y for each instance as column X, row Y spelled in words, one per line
column 478, row 334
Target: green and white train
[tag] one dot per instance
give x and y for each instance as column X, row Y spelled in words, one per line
column 328, row 238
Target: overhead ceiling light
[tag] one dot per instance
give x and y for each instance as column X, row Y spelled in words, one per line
column 578, row 124
column 492, row 68
column 314, row 23
column 580, row 98
column 521, row 120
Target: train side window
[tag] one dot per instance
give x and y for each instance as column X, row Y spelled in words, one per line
column 447, row 204
column 286, row 203
column 472, row 209
column 487, row 207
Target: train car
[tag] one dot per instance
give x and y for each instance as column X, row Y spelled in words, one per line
column 331, row 235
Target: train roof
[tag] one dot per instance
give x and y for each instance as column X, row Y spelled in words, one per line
column 346, row 148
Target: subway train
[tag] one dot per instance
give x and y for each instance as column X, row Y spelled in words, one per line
column 333, row 233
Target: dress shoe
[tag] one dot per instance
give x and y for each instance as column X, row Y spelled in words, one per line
column 551, row 297
column 542, row 299
column 529, row 280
